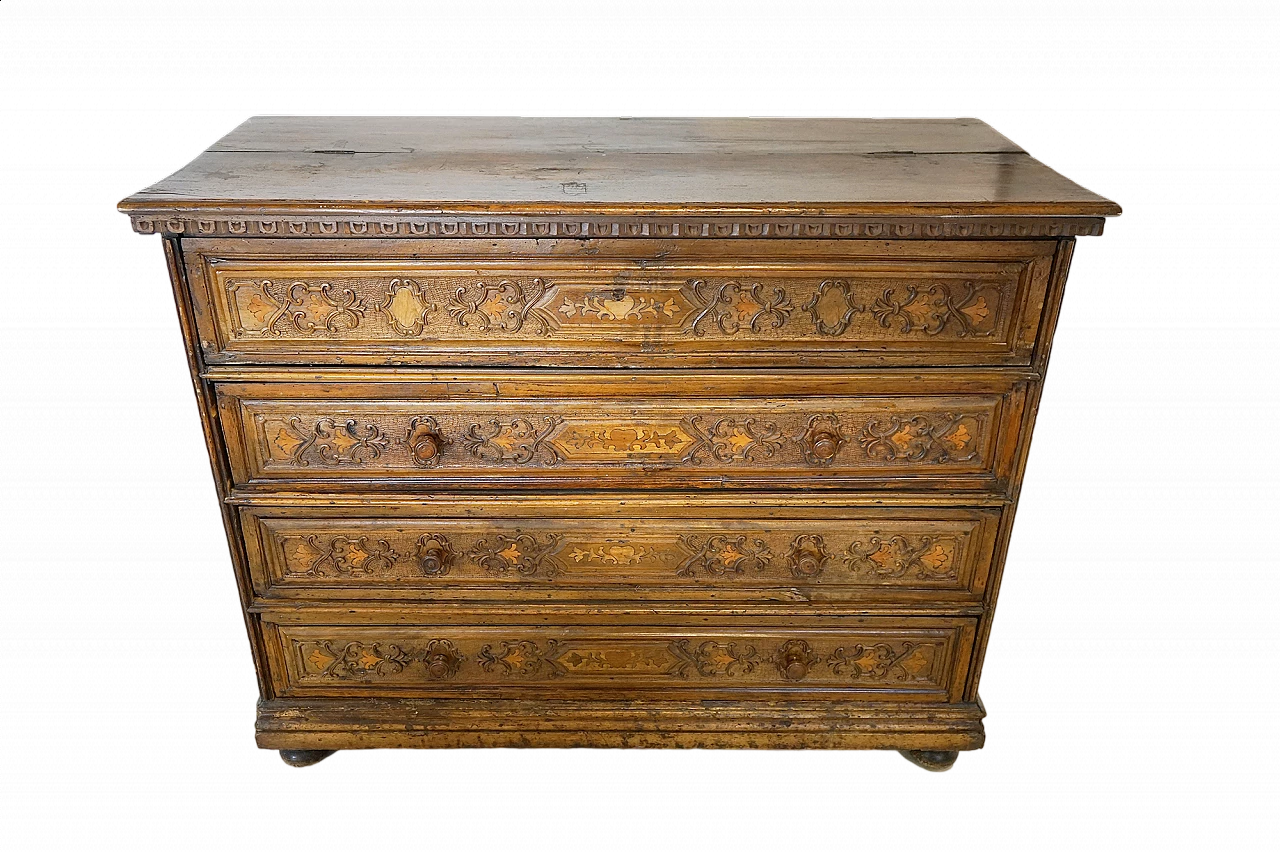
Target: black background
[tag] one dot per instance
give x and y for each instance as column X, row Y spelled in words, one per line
column 200, row 692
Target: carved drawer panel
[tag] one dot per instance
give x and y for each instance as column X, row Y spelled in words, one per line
column 648, row 430
column 632, row 303
column 923, row 659
column 590, row 548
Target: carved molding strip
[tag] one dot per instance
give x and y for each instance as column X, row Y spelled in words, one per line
column 902, row 228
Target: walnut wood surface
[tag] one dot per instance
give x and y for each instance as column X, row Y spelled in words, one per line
column 834, row 166
column 690, row 433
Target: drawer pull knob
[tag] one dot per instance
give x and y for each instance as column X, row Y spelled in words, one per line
column 434, row 554
column 794, row 659
column 825, row 445
column 425, row 442
column 823, row 439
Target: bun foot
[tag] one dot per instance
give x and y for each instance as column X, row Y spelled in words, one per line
column 935, row 760
column 304, row 757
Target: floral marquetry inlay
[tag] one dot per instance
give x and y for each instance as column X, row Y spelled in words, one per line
column 926, row 557
column 620, row 306
column 328, row 441
column 932, row 438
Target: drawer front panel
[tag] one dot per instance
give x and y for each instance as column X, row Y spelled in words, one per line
column 922, row 661
column 706, row 432
column 528, row 550
column 637, row 304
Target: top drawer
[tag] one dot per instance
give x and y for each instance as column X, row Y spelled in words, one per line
column 629, row 303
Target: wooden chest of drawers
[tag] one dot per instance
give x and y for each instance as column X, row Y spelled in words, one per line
column 701, row 433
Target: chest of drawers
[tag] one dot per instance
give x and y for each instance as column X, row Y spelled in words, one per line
column 691, row 433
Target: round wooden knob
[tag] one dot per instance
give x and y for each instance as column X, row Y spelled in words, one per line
column 825, row 445
column 426, row 447
column 795, row 670
column 438, row 666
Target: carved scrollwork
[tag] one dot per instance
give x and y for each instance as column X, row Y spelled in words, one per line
column 357, row 660
column 310, row 307
column 521, row 553
column 833, row 307
column 518, row 442
column 719, row 555
column 710, row 659
column 319, row 305
column 433, row 554
column 341, row 556
column 406, row 307
column 328, row 442
column 734, row 306
column 878, row 662
column 501, row 305
column 730, row 440
column 895, row 557
column 922, row 438
column 808, row 556
column 521, row 658
column 931, row 310
column 425, row 441
column 822, row 439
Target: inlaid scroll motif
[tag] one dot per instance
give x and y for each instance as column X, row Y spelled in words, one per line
column 327, row 442
column 356, row 660
column 520, row 658
column 318, row 557
column 517, row 441
column 734, row 306
column 924, row 557
column 731, row 440
column 407, row 307
column 303, row 307
column 522, row 553
column 614, row 442
column 720, row 555
column 943, row 439
column 883, row 662
column 439, row 659
column 502, row 305
column 933, row 309
column 619, row 306
column 709, row 659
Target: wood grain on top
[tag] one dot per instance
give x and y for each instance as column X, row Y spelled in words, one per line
column 852, row 167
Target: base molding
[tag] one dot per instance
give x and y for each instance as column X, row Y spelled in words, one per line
column 329, row 724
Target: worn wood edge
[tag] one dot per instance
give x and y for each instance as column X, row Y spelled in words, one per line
column 382, row 613
column 904, row 223
column 622, row 723
column 218, row 460
column 800, row 382
column 626, row 502
column 1049, row 321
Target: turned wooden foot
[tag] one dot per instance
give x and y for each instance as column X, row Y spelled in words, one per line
column 929, row 759
column 304, row 757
